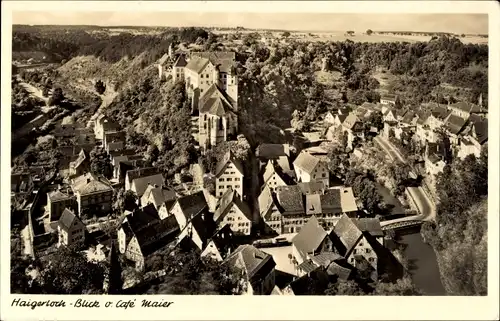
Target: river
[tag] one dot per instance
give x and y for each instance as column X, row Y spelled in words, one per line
column 423, row 264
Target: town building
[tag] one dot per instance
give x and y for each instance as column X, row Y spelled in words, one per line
column 310, row 241
column 257, row 269
column 434, row 163
column 454, row 126
column 178, row 68
column 157, row 196
column 113, row 140
column 232, row 211
column 464, row 110
column 138, row 180
column 57, row 202
column 217, row 117
column 103, row 125
column 143, row 233
column 267, row 152
column 70, row 229
column 269, row 211
column 220, row 245
column 93, row 193
column 309, row 168
column 196, row 224
column 274, row 176
column 355, row 245
column 388, row 99
column 353, row 126
column 81, row 165
column 229, row 174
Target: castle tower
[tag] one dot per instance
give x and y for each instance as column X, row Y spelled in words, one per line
column 170, row 51
column 232, row 86
column 324, row 64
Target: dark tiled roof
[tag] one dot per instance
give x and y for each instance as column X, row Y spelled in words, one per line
column 343, row 272
column 141, row 218
column 228, row 157
column 310, row 237
column 273, row 168
column 370, row 225
column 141, row 172
column 439, row 111
column 467, row 107
column 229, row 199
column 89, row 184
column 342, row 117
column 351, row 121
column 217, row 106
column 272, row 151
column 313, row 283
column 181, row 61
column 251, row 260
column 307, row 266
column 481, row 131
column 223, row 60
column 142, row 183
column 330, row 201
column 347, row 232
column 408, row 118
column 324, row 259
column 67, row 219
column 290, row 199
column 306, row 162
column 455, row 124
column 192, row 204
column 157, row 235
column 388, row 97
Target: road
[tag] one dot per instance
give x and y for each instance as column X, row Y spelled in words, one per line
column 426, row 208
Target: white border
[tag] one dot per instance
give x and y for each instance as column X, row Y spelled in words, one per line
column 235, row 308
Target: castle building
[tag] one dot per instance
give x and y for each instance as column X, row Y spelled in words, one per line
column 212, row 85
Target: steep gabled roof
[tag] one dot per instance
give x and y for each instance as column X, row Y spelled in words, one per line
column 67, row 219
column 306, row 162
column 273, row 168
column 310, row 237
column 141, row 172
column 351, row 121
column 467, row 107
column 348, row 233
column 192, row 204
column 227, row 201
column 266, row 200
column 215, row 101
column 228, row 158
column 82, row 156
column 250, row 260
column 455, row 124
column 481, row 131
column 324, row 259
column 181, row 61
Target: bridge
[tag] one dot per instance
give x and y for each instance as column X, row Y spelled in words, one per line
column 402, row 224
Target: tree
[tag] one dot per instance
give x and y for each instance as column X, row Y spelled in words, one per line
column 100, row 163
column 285, row 34
column 69, row 272
column 57, row 97
column 343, row 287
column 402, row 287
column 45, row 91
column 100, row 88
column 369, row 32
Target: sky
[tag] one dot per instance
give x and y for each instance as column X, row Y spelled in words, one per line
column 454, row 23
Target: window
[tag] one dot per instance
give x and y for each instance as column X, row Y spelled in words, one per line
column 360, row 243
column 323, row 175
column 367, row 250
column 237, row 179
column 237, row 186
column 355, row 251
column 220, row 193
column 370, row 259
column 229, row 179
column 221, row 179
column 228, row 186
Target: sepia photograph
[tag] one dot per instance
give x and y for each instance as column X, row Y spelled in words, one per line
column 240, row 153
